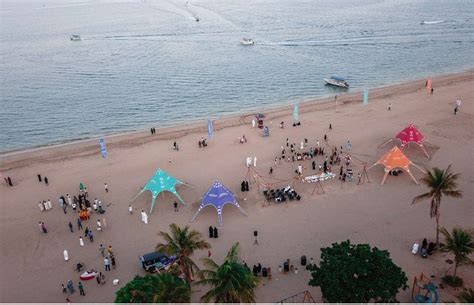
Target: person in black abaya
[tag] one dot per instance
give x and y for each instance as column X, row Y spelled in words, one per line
column 211, row 232
column 259, row 268
column 313, row 164
column 216, row 235
column 255, row 270
column 242, row 186
column 247, row 186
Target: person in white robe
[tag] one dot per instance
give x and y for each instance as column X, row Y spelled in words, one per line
column 254, row 161
column 66, row 255
column 144, row 217
column 81, row 242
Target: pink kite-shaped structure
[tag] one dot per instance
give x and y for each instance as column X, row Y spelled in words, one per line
column 408, row 135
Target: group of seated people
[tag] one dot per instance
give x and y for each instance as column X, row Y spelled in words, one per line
column 395, row 172
column 296, row 124
column 202, row 143
column 281, row 195
column 84, row 215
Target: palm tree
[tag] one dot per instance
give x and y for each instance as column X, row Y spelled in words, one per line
column 466, row 296
column 161, row 288
column 461, row 243
column 441, row 182
column 182, row 243
column 231, row 282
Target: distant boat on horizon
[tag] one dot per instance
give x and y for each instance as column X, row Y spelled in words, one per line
column 431, row 22
column 75, row 37
column 247, row 42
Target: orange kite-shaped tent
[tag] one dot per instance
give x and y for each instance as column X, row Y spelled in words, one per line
column 410, row 134
column 393, row 159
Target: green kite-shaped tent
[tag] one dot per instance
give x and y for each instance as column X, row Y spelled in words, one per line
column 160, row 182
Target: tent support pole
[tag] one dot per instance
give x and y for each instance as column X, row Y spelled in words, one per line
column 384, row 177
column 409, row 173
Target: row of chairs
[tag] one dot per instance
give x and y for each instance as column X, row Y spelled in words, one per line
column 281, row 195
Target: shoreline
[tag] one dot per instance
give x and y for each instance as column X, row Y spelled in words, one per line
column 368, row 213
column 83, row 147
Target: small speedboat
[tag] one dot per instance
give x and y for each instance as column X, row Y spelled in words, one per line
column 247, row 42
column 337, row 81
column 75, row 38
column 196, row 19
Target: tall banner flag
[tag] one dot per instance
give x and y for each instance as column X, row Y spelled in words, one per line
column 295, row 112
column 103, row 150
column 428, row 85
column 365, row 99
column 210, row 130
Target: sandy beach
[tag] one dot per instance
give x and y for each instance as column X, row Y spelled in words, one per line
column 32, row 263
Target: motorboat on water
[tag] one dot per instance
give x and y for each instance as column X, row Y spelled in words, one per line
column 75, row 38
column 337, row 81
column 196, row 19
column 247, row 42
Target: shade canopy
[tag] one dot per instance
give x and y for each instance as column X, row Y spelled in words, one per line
column 161, row 182
column 218, row 196
column 410, row 134
column 393, row 159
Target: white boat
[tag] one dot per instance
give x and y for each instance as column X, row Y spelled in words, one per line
column 247, row 42
column 75, row 38
column 431, row 22
column 337, row 81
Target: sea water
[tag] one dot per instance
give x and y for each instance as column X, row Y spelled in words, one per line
column 150, row 63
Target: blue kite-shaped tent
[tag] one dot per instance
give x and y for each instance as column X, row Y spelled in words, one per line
column 218, row 196
column 161, row 182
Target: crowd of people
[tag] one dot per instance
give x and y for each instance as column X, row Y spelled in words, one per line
column 82, row 210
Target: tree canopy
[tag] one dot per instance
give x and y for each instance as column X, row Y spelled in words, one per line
column 161, row 288
column 357, row 273
column 230, row 282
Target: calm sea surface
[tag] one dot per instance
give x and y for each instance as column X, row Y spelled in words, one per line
column 144, row 63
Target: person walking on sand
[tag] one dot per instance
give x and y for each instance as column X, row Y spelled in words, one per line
column 175, row 204
column 91, row 237
column 255, row 161
column 144, row 217
column 62, row 285
column 330, row 126
column 106, row 187
column 209, row 253
column 389, row 106
column 81, row 288
column 253, row 123
column 104, row 223
column 70, row 227
column 107, row 264
column 130, row 209
column 112, row 260
column 99, row 225
column 46, row 181
column 456, row 110
column 79, row 224
column 109, row 250
column 39, row 179
column 102, row 250
column 81, row 242
column 70, row 286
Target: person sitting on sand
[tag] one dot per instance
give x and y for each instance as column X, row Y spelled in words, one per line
column 282, row 124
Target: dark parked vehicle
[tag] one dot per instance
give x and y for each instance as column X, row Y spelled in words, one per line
column 155, row 261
